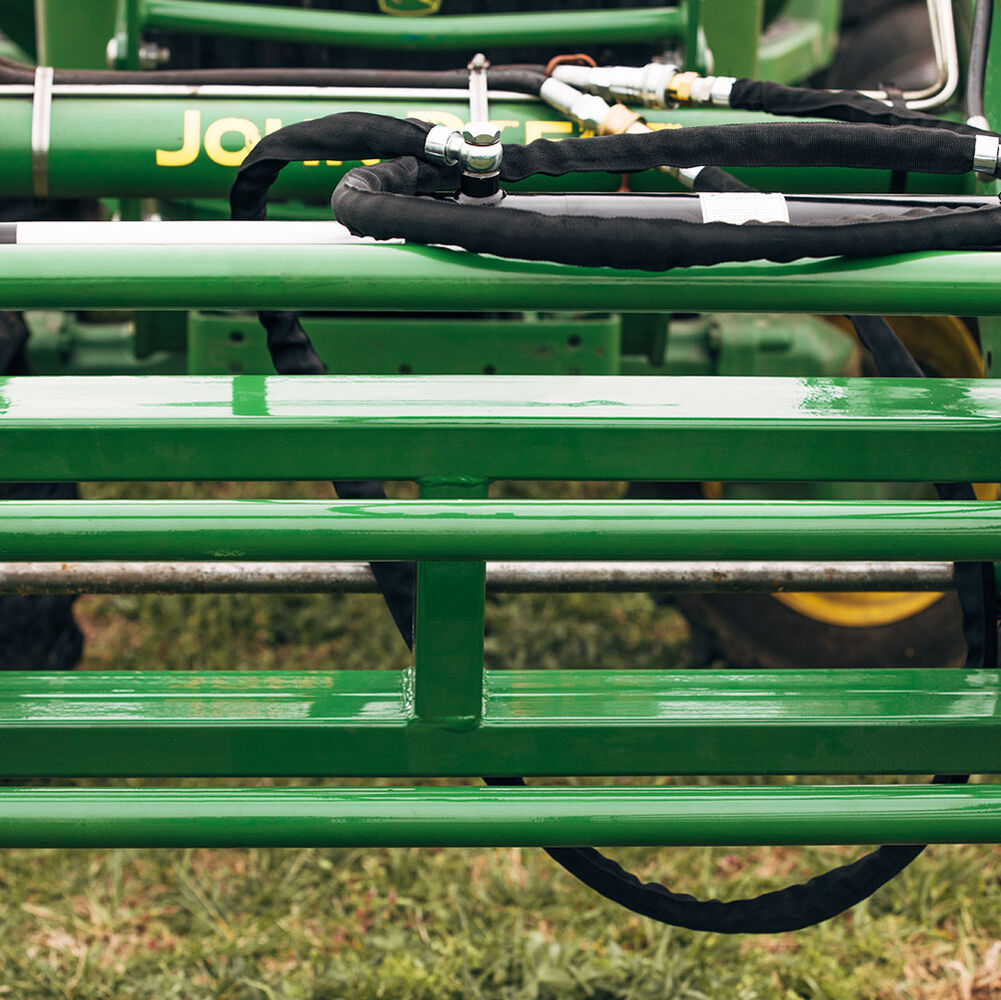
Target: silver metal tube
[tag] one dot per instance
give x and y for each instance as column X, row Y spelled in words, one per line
column 943, row 33
column 478, row 108
column 502, row 577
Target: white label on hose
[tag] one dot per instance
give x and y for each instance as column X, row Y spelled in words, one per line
column 738, row 207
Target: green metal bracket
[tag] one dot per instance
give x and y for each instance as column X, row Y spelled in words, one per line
column 534, row 344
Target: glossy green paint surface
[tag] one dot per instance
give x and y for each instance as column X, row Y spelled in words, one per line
column 421, row 345
column 108, row 146
column 376, row 31
column 538, row 722
column 498, row 427
column 379, row 277
column 495, row 530
column 447, row 674
column 73, row 35
column 488, row 817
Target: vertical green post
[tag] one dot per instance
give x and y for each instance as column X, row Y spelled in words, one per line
column 694, row 56
column 448, row 631
column 73, row 35
column 732, row 32
column 128, row 34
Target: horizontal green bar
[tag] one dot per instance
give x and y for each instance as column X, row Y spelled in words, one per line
column 499, row 427
column 74, row 530
column 537, row 722
column 497, row 817
column 376, row 31
column 168, row 147
column 370, row 276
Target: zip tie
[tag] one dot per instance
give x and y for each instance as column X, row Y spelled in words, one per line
column 41, row 130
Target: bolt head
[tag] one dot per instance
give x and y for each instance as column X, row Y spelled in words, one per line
column 481, row 134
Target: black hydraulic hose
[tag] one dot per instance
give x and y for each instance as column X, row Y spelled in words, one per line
column 712, row 179
column 526, row 79
column 765, row 144
column 976, row 70
column 386, row 190
column 292, row 353
column 377, row 201
column 839, row 105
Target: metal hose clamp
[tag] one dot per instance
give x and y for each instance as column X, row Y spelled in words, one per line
column 985, row 154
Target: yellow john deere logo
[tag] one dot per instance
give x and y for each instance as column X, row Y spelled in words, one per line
column 409, row 8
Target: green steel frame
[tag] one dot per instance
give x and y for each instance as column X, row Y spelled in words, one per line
column 445, row 715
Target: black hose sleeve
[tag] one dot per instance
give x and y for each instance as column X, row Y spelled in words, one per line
column 713, row 179
column 351, row 135
column 292, row 353
column 980, row 38
column 525, row 79
column 788, row 909
column 375, row 201
column 765, row 144
column 841, row 105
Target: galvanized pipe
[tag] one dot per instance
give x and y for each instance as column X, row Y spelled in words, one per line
column 372, row 31
column 493, row 530
column 497, row 817
column 370, row 276
column 502, row 577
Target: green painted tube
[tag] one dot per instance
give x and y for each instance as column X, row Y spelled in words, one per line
column 189, row 146
column 380, row 277
column 375, row 31
column 486, row 529
column 496, row 817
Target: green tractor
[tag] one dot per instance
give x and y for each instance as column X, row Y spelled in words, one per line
column 735, row 257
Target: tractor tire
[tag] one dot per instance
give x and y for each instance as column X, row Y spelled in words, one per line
column 832, row 630
column 757, row 630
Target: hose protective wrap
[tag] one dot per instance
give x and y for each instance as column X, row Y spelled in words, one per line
column 378, row 201
column 840, row 105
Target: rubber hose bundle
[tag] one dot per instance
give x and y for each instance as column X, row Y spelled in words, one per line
column 378, row 201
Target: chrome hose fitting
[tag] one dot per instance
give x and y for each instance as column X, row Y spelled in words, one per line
column 587, row 110
column 443, row 145
column 476, row 149
column 481, row 159
column 985, row 155
column 644, row 84
column 656, row 85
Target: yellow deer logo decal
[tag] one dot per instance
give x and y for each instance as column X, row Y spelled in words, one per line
column 409, row 8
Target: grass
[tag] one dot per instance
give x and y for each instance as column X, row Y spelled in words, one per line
column 505, row 924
